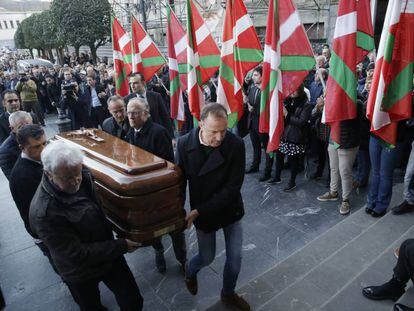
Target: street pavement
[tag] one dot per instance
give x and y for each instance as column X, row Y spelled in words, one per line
column 276, row 224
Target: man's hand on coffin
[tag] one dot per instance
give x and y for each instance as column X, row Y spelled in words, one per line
column 132, row 246
column 191, row 217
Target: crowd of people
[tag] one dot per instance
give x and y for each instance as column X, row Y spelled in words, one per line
column 79, row 243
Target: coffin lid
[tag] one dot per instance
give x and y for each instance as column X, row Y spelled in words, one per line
column 124, row 168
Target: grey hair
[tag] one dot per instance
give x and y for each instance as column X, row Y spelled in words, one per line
column 16, row 117
column 141, row 101
column 60, row 153
column 114, row 98
column 321, row 57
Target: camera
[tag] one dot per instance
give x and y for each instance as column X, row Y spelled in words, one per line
column 69, row 88
column 23, row 77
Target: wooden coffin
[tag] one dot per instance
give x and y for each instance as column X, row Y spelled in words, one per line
column 140, row 192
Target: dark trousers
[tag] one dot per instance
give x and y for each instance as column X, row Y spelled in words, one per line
column 97, row 116
column 259, row 141
column 294, row 165
column 404, row 270
column 119, row 280
column 178, row 242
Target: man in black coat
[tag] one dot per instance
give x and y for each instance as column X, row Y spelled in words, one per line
column 158, row 110
column 11, row 103
column 154, row 138
column 66, row 215
column 26, row 176
column 53, row 90
column 9, row 149
column 118, row 124
column 259, row 140
column 212, row 161
column 96, row 96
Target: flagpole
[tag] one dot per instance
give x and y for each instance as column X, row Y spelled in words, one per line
column 212, row 82
column 163, row 85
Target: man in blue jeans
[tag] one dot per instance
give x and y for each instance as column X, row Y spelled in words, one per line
column 212, row 161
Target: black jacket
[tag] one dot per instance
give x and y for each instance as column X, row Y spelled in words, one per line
column 53, row 92
column 350, row 130
column 75, row 230
column 110, row 126
column 215, row 178
column 297, row 121
column 9, row 153
column 254, row 101
column 153, row 138
column 158, row 110
column 4, row 126
column 24, row 180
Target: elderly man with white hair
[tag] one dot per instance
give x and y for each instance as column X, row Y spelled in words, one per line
column 9, row 149
column 66, row 215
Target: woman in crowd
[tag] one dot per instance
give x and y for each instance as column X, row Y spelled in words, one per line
column 297, row 113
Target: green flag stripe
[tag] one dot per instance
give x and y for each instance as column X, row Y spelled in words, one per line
column 209, row 61
column 389, row 48
column 152, row 61
column 248, row 55
column 232, row 119
column 174, row 85
column 128, row 59
column 182, row 68
column 266, row 92
column 120, row 78
column 399, row 87
column 344, row 76
column 227, row 73
column 365, row 41
column 297, row 63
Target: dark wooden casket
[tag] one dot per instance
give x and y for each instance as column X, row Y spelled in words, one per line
column 140, row 192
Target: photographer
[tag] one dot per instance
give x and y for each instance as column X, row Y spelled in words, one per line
column 72, row 100
column 27, row 89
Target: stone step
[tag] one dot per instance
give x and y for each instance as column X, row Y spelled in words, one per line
column 310, row 277
column 350, row 297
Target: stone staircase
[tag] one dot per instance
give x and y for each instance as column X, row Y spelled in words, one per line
column 329, row 272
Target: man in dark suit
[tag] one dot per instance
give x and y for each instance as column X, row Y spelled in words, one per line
column 11, row 103
column 118, row 124
column 26, row 175
column 9, row 149
column 154, row 138
column 259, row 140
column 96, row 97
column 212, row 161
column 158, row 110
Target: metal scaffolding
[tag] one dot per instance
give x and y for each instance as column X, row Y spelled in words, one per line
column 152, row 13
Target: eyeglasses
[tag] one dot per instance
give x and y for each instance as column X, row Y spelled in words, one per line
column 134, row 113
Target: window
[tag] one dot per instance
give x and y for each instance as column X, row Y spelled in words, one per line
column 18, row 23
column 5, row 25
column 11, row 24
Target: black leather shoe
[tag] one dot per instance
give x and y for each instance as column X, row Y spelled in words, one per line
column 377, row 215
column 392, row 290
column 401, row 307
column 160, row 262
column 289, row 187
column 252, row 169
column 403, row 208
column 191, row 282
column 368, row 210
column 274, row 180
column 264, row 177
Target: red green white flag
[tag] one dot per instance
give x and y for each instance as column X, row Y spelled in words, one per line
column 177, row 62
column 288, row 58
column 391, row 90
column 147, row 58
column 353, row 39
column 203, row 58
column 240, row 52
column 122, row 53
